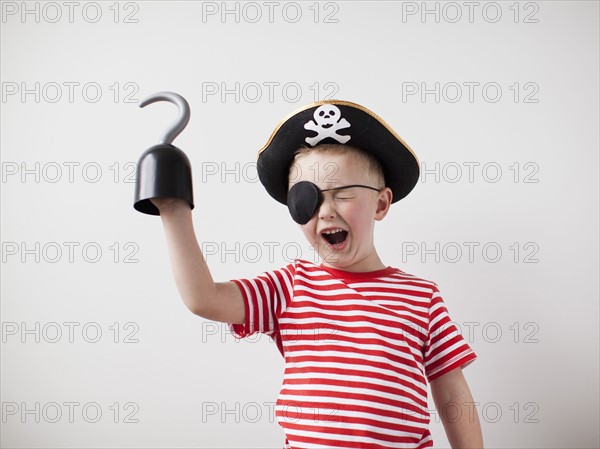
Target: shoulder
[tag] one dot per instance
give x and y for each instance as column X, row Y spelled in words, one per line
column 411, row 279
column 295, row 268
column 424, row 290
column 306, row 267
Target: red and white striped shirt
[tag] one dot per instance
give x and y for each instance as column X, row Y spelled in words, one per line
column 358, row 348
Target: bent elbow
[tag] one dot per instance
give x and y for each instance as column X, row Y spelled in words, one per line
column 195, row 306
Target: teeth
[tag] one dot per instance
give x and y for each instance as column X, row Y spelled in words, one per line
column 332, row 231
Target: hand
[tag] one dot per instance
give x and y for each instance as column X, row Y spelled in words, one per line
column 165, row 204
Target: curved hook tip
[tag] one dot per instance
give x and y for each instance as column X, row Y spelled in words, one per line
column 182, row 119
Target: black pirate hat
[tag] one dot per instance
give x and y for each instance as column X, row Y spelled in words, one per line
column 336, row 121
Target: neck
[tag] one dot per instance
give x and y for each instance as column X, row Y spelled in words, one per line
column 369, row 263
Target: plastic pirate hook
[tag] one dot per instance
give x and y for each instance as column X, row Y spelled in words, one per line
column 164, row 171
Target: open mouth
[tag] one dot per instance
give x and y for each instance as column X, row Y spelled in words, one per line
column 335, row 237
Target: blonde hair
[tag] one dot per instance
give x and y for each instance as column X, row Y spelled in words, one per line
column 369, row 161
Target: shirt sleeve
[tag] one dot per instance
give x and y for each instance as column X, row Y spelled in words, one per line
column 265, row 299
column 445, row 348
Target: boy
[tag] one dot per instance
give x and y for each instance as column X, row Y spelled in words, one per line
column 360, row 339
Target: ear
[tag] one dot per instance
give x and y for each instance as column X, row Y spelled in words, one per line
column 384, row 202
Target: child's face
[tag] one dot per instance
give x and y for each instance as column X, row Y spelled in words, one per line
column 353, row 210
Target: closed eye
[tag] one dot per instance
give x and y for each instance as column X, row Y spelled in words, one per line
column 344, row 194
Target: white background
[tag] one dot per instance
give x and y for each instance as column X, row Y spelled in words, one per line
column 186, row 381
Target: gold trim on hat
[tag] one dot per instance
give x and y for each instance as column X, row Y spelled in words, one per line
column 342, row 103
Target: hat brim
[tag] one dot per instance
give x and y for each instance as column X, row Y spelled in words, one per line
column 365, row 130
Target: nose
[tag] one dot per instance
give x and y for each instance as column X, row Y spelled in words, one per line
column 326, row 209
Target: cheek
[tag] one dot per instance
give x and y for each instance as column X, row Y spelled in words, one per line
column 357, row 217
column 309, row 230
column 350, row 210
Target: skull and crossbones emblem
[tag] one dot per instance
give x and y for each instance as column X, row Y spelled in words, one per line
column 327, row 122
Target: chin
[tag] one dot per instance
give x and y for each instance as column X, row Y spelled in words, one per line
column 334, row 259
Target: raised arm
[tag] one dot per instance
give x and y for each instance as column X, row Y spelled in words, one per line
column 217, row 301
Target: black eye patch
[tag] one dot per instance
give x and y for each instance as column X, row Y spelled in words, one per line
column 304, row 198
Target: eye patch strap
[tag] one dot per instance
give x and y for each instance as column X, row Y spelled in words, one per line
column 351, row 185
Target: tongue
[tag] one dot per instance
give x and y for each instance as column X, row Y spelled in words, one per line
column 336, row 237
